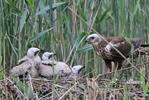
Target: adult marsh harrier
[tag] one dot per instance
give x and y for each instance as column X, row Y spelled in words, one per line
column 108, row 48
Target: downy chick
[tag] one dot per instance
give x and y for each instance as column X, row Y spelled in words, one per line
column 28, row 64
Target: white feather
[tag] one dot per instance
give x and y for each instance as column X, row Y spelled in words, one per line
column 110, row 45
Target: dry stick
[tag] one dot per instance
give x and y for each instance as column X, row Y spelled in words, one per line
column 16, row 88
column 94, row 19
column 30, row 86
column 68, row 58
column 67, row 91
column 73, row 48
column 55, row 17
column 74, row 21
column 59, row 86
column 107, row 42
column 120, row 70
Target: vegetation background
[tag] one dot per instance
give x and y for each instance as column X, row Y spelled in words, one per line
column 61, row 26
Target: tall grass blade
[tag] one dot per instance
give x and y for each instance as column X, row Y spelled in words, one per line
column 22, row 21
column 38, row 35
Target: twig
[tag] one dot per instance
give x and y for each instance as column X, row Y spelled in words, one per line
column 67, row 91
column 16, row 87
column 30, row 89
column 120, row 70
column 72, row 50
column 94, row 19
column 56, row 85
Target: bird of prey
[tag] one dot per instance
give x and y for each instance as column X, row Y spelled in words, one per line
column 28, row 64
column 106, row 48
column 59, row 68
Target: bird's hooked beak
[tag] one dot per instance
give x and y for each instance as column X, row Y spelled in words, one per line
column 87, row 40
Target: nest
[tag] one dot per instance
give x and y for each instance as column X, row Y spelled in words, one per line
column 87, row 88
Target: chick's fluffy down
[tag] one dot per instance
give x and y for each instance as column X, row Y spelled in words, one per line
column 20, row 69
column 60, row 68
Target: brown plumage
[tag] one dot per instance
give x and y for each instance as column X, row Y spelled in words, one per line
column 108, row 53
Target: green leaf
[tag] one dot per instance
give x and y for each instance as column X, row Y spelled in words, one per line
column 144, row 85
column 44, row 9
column 24, row 88
column 85, row 48
column 1, row 68
column 12, row 46
column 67, row 25
column 22, row 21
column 55, row 5
column 104, row 14
column 0, row 59
column 12, row 5
column 136, row 8
column 132, row 46
column 38, row 35
column 81, row 13
column 125, row 93
column 80, row 38
column 31, row 2
column 78, row 41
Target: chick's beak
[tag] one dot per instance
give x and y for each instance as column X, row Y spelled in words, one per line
column 37, row 52
column 50, row 56
column 81, row 69
column 54, row 54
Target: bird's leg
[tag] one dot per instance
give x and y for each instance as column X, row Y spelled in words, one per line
column 108, row 65
column 118, row 66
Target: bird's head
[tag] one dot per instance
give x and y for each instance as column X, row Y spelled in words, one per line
column 77, row 68
column 48, row 55
column 93, row 39
column 33, row 52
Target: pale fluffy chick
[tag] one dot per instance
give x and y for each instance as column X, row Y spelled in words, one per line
column 75, row 72
column 59, row 68
column 28, row 64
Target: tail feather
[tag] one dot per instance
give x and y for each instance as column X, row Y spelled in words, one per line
column 144, row 45
column 136, row 42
